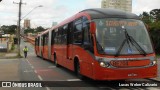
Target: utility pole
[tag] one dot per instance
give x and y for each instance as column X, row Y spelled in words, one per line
column 19, row 27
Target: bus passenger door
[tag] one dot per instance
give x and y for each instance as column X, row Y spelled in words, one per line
column 37, row 46
column 69, row 41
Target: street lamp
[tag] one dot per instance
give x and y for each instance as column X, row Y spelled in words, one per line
column 31, row 11
column 19, row 26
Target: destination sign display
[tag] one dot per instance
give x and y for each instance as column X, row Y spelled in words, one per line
column 121, row 23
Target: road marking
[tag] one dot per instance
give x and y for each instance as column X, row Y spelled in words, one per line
column 28, row 62
column 48, row 88
column 35, row 71
column 74, row 80
column 28, row 71
column 32, row 67
column 42, row 70
column 40, row 77
column 52, row 67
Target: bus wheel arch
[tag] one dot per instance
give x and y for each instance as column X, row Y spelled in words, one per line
column 77, row 68
column 55, row 60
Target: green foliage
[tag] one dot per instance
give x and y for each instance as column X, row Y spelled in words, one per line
column 153, row 20
column 155, row 13
column 155, row 35
column 13, row 47
column 31, row 30
column 39, row 29
column 145, row 17
column 9, row 29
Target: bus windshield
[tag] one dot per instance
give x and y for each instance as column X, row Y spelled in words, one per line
column 111, row 37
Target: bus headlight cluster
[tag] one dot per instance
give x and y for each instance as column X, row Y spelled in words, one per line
column 104, row 64
column 154, row 62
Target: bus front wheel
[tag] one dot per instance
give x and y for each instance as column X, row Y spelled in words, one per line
column 77, row 70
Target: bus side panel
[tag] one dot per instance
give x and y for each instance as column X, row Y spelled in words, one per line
column 37, row 47
column 45, row 52
column 69, row 57
column 85, row 61
column 36, row 50
column 59, row 54
column 52, row 53
column 42, row 51
column 64, row 54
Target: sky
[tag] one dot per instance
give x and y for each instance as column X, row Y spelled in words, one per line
column 58, row 10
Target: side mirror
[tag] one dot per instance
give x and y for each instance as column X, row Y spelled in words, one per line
column 92, row 27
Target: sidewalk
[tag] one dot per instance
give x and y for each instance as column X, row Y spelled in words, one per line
column 4, row 54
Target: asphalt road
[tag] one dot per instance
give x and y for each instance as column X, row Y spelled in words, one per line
column 34, row 68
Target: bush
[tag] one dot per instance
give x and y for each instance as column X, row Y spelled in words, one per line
column 155, row 35
column 13, row 47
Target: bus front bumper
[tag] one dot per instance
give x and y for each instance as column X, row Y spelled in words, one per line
column 125, row 73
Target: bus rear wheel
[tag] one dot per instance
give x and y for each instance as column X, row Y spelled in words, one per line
column 55, row 61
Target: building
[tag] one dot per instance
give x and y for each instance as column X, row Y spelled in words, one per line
column 26, row 23
column 125, row 5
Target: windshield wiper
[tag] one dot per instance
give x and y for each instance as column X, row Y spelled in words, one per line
column 133, row 42
column 100, row 48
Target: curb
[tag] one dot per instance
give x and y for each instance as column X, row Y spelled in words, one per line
column 155, row 80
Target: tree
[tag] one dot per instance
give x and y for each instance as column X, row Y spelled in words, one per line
column 9, row 29
column 145, row 17
column 39, row 29
column 155, row 13
column 153, row 20
column 28, row 30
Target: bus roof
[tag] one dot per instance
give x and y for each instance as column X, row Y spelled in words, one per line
column 97, row 13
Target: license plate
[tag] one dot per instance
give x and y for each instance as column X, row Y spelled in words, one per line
column 119, row 63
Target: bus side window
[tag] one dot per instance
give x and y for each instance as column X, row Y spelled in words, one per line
column 70, row 33
column 64, row 37
column 87, row 40
column 86, row 34
column 53, row 37
column 42, row 40
column 56, row 37
column 38, row 41
column 78, row 32
column 46, row 39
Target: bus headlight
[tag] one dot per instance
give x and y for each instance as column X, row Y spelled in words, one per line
column 104, row 64
column 154, row 62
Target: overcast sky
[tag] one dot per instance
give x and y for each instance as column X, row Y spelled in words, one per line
column 58, row 10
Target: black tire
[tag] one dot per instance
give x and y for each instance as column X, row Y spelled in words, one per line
column 55, row 61
column 77, row 70
column 43, row 57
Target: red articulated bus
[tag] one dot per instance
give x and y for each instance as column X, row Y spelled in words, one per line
column 102, row 44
